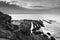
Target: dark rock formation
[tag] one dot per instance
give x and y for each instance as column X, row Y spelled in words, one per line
column 5, row 18
column 20, row 32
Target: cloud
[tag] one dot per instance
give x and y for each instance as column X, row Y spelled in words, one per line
column 34, row 5
column 17, row 2
column 5, row 0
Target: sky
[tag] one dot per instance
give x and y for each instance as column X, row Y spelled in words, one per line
column 10, row 7
column 44, row 4
column 40, row 7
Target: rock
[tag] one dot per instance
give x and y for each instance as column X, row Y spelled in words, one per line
column 4, row 18
column 52, row 38
column 19, row 32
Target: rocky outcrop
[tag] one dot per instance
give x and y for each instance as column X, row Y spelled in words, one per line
column 5, row 18
column 11, row 31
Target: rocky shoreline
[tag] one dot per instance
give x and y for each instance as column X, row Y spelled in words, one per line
column 11, row 31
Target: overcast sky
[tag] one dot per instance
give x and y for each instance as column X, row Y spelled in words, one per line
column 11, row 7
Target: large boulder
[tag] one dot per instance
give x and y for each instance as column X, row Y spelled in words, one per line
column 4, row 18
